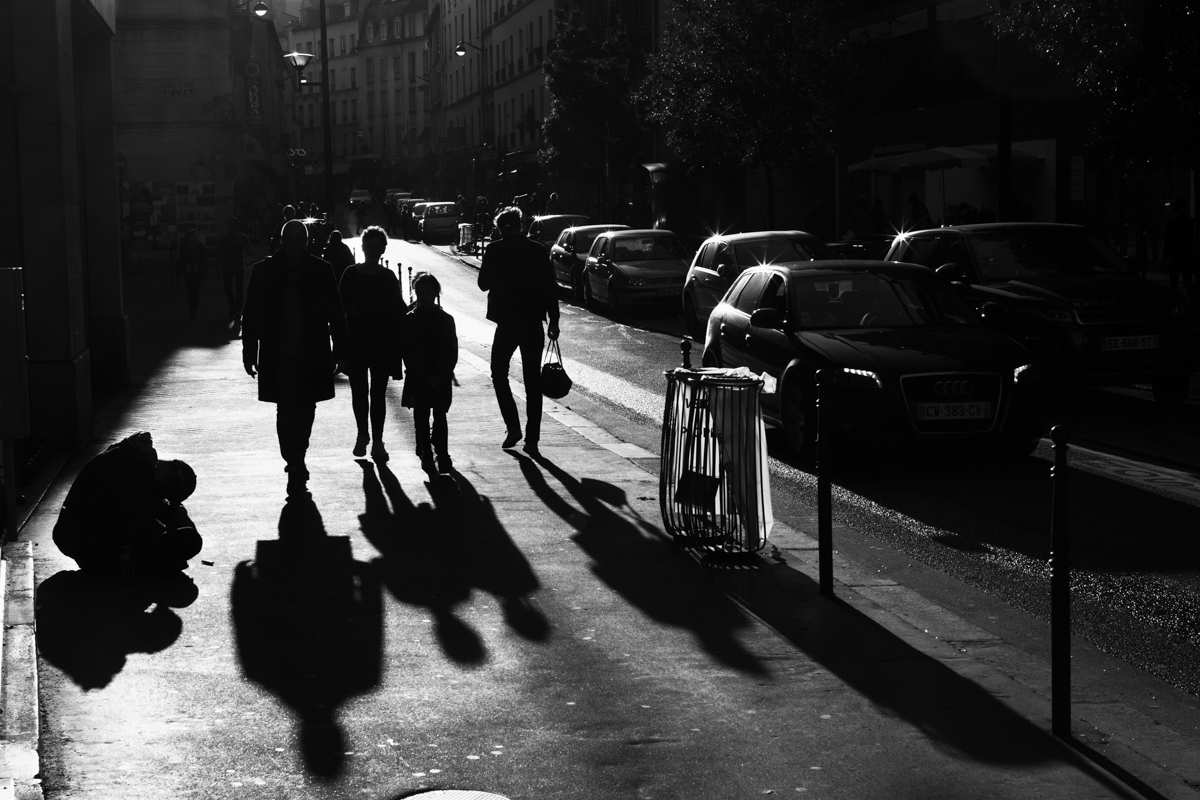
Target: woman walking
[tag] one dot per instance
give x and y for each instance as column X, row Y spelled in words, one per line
column 374, row 309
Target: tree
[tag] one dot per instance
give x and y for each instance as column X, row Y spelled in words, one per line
column 750, row 83
column 1140, row 59
column 591, row 123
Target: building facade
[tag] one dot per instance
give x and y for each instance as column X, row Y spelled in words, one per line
column 60, row 215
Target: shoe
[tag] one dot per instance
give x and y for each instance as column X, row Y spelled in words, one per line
column 511, row 440
column 379, row 453
column 532, row 449
column 444, row 464
column 428, row 464
column 360, row 445
column 297, row 488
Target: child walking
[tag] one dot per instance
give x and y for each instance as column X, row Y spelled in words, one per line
column 430, row 347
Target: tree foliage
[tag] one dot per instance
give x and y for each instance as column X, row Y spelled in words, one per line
column 1139, row 58
column 752, row 83
column 591, row 120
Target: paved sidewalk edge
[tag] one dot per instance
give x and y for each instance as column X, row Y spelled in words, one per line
column 19, row 759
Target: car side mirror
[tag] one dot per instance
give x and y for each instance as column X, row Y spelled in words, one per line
column 951, row 272
column 991, row 311
column 570, row 249
column 766, row 318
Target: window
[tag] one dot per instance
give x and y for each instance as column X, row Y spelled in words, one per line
column 370, row 71
column 383, row 102
column 353, row 110
column 345, row 112
column 310, row 116
column 332, row 79
column 397, row 28
column 746, row 298
column 370, row 33
column 412, row 102
column 330, row 51
column 343, row 45
column 398, row 100
column 370, row 104
column 383, row 70
column 382, row 31
column 396, row 64
column 353, row 80
column 353, row 41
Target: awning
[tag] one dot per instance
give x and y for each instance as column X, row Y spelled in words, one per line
column 942, row 158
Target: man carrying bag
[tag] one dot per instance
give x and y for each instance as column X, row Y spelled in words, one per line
column 517, row 275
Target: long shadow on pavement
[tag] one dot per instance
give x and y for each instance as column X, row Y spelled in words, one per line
column 435, row 555
column 87, row 624
column 893, row 675
column 641, row 565
column 309, row 628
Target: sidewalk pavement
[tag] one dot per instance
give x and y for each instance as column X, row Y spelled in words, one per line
column 522, row 626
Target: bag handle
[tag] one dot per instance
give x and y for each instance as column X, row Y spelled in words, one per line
column 553, row 353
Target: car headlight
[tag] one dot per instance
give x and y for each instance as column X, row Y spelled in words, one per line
column 635, row 281
column 862, row 377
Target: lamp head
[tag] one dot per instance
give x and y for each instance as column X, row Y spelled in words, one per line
column 460, row 50
column 298, row 60
column 260, row 9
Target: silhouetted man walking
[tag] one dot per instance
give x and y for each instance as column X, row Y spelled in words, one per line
column 292, row 312
column 519, row 280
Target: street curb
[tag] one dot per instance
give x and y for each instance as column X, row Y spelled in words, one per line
column 19, row 761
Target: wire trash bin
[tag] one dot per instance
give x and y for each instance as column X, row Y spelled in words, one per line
column 714, row 488
column 466, row 236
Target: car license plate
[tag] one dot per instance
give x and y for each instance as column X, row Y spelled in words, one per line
column 1147, row 342
column 927, row 412
column 666, row 292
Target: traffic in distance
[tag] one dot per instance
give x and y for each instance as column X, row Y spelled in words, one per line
column 958, row 337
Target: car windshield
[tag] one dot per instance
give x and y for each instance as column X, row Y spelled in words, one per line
column 1006, row 255
column 779, row 251
column 875, row 300
column 584, row 239
column 448, row 210
column 551, row 228
column 646, row 248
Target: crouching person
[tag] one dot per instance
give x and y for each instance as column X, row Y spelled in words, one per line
column 124, row 515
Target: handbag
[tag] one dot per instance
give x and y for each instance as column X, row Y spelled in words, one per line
column 555, row 381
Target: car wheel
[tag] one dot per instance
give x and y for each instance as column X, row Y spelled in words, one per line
column 614, row 301
column 577, row 286
column 799, row 423
column 695, row 327
column 589, row 297
column 1171, row 391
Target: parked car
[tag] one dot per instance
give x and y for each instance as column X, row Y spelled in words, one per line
column 868, row 246
column 569, row 253
column 439, row 222
column 546, row 228
column 631, row 267
column 361, row 198
column 912, row 362
column 1070, row 299
column 722, row 258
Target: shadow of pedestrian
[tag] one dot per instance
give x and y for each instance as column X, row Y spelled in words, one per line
column 309, row 628
column 634, row 559
column 88, row 624
column 433, row 555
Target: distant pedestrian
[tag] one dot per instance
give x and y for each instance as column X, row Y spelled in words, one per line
column 124, row 514
column 374, row 310
column 232, row 250
column 430, row 346
column 1179, row 248
column 337, row 253
column 517, row 275
column 292, row 313
column 193, row 260
column 552, row 204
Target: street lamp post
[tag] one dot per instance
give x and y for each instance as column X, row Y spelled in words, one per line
column 300, row 61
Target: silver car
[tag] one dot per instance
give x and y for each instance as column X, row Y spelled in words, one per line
column 634, row 267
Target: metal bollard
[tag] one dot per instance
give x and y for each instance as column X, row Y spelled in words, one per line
column 824, row 492
column 411, row 298
column 685, row 348
column 1060, row 590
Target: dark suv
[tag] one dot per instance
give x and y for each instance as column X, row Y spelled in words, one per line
column 1072, row 301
